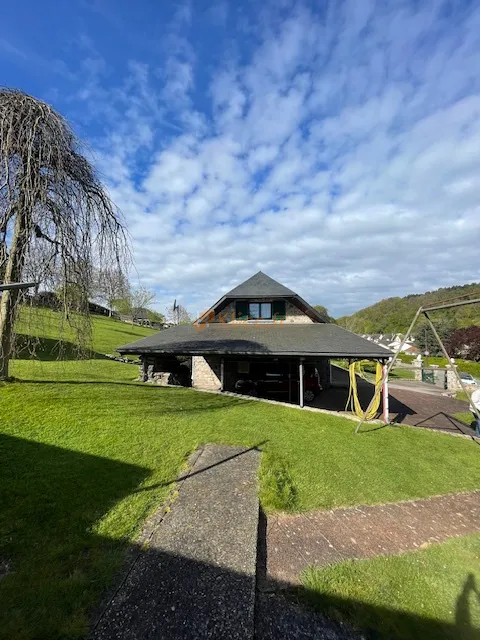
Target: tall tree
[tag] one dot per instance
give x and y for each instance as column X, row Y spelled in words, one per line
column 465, row 343
column 50, row 198
column 425, row 339
column 323, row 311
column 178, row 314
column 111, row 285
column 141, row 299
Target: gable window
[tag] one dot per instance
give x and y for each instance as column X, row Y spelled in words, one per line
column 260, row 311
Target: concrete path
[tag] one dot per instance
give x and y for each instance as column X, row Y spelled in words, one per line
column 295, row 542
column 196, row 579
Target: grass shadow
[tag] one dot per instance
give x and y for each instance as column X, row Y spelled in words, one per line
column 49, row 349
column 56, row 566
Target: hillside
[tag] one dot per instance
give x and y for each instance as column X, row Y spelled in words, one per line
column 40, row 330
column 396, row 314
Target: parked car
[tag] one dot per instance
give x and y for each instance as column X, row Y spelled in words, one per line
column 278, row 384
column 467, row 378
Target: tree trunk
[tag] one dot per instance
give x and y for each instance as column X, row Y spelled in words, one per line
column 8, row 304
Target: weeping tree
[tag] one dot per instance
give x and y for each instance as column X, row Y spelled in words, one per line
column 55, row 215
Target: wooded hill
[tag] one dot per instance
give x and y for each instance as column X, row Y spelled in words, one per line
column 395, row 314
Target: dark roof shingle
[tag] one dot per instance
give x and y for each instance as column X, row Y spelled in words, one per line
column 316, row 339
column 259, row 285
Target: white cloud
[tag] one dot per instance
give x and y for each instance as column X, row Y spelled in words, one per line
column 340, row 155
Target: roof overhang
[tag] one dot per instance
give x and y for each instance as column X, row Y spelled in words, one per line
column 252, row 340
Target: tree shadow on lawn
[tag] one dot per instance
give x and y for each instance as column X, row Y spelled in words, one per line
column 54, row 567
column 50, row 349
column 449, row 423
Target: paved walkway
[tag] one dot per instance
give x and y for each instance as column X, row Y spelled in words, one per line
column 295, row 542
column 196, row 579
column 428, row 410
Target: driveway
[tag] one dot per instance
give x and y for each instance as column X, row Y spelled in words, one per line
column 416, row 404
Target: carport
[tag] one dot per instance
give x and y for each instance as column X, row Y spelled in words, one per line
column 218, row 350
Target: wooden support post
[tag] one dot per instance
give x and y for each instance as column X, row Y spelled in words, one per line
column 386, row 417
column 222, row 374
column 300, row 382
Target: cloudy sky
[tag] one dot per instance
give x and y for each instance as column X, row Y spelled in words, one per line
column 334, row 145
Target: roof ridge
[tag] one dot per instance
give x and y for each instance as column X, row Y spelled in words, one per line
column 260, row 284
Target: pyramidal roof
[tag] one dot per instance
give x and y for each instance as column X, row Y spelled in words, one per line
column 259, row 285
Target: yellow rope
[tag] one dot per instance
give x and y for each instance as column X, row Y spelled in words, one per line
column 353, row 402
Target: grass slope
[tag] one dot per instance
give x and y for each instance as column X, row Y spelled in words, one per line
column 87, row 453
column 431, row 593
column 49, row 328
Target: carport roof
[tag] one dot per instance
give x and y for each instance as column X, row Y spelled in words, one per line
column 242, row 338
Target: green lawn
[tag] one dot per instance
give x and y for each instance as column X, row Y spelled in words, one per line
column 370, row 370
column 53, row 337
column 86, row 453
column 464, row 416
column 432, row 593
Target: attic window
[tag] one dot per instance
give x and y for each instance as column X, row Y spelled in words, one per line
column 260, row 310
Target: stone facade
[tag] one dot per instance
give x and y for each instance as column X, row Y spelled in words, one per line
column 295, row 315
column 292, row 314
column 206, row 372
column 164, row 371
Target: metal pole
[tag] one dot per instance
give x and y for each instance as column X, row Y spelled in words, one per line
column 386, row 417
column 452, row 304
column 389, row 368
column 444, row 351
column 222, row 374
column 289, row 381
column 300, row 372
column 18, row 285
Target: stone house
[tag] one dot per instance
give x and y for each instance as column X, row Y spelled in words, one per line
column 259, row 334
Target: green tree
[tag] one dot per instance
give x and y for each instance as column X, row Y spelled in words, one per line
column 323, row 311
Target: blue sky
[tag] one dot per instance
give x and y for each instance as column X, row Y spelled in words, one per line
column 334, row 145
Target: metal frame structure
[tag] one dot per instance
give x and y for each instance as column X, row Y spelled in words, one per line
column 17, row 285
column 424, row 311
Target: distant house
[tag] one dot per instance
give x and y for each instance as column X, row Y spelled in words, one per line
column 51, row 300
column 99, row 309
column 259, row 328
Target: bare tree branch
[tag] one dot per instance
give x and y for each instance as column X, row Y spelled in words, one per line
column 53, row 205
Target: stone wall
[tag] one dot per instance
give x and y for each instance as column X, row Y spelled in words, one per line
column 164, row 371
column 444, row 378
column 293, row 315
column 452, row 380
column 206, row 372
